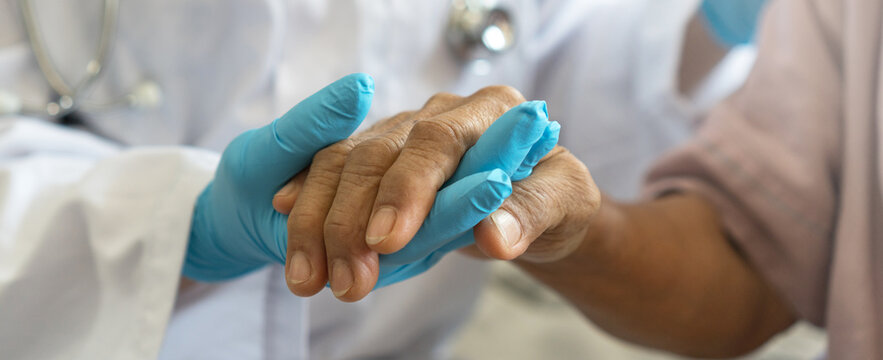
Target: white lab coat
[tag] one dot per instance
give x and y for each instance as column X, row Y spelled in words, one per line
column 92, row 231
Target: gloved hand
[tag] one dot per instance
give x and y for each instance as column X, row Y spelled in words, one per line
column 510, row 148
column 733, row 22
column 235, row 229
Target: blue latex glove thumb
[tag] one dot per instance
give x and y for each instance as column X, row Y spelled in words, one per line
column 235, row 229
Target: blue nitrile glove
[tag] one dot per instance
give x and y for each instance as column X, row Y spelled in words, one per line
column 235, row 228
column 509, row 149
column 733, row 22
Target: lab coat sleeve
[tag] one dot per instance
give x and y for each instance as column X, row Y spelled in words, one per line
column 92, row 239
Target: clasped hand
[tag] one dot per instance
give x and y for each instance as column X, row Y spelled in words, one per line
column 387, row 204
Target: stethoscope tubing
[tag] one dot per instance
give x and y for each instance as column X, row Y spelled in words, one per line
column 70, row 96
column 469, row 21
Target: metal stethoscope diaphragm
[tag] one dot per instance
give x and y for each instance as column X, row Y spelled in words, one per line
column 479, row 29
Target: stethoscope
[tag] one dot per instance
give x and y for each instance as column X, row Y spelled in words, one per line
column 66, row 97
column 479, row 29
column 476, row 30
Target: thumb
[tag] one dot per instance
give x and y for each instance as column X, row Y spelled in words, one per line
column 265, row 158
column 546, row 216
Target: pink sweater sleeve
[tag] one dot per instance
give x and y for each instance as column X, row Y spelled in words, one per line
column 768, row 157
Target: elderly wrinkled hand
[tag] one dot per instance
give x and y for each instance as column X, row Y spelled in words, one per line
column 370, row 194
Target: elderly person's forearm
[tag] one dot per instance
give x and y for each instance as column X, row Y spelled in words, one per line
column 662, row 274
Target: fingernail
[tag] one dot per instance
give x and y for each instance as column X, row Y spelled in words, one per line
column 508, row 227
column 341, row 278
column 287, row 190
column 381, row 225
column 299, row 268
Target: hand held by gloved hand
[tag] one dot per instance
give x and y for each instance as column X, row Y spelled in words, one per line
column 410, row 163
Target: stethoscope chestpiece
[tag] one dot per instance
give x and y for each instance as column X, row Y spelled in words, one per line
column 479, row 29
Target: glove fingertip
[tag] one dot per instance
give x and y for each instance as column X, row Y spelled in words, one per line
column 532, row 121
column 362, row 86
column 542, row 147
column 329, row 115
column 349, row 98
column 554, row 128
column 535, row 108
column 364, row 81
column 490, row 194
column 539, row 108
column 507, row 141
column 497, row 176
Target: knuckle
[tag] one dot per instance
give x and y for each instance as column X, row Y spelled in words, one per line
column 422, row 164
column 505, row 94
column 442, row 99
column 402, row 118
column 433, row 149
column 486, row 110
column 324, row 173
column 364, row 169
column 420, row 157
column 408, row 183
column 371, row 158
column 438, row 130
column 305, row 223
column 467, row 125
column 388, row 123
column 325, row 178
column 398, row 133
column 379, row 147
column 437, row 104
column 339, row 226
column 335, row 153
column 359, row 178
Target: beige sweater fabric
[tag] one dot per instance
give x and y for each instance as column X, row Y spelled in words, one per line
column 793, row 162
